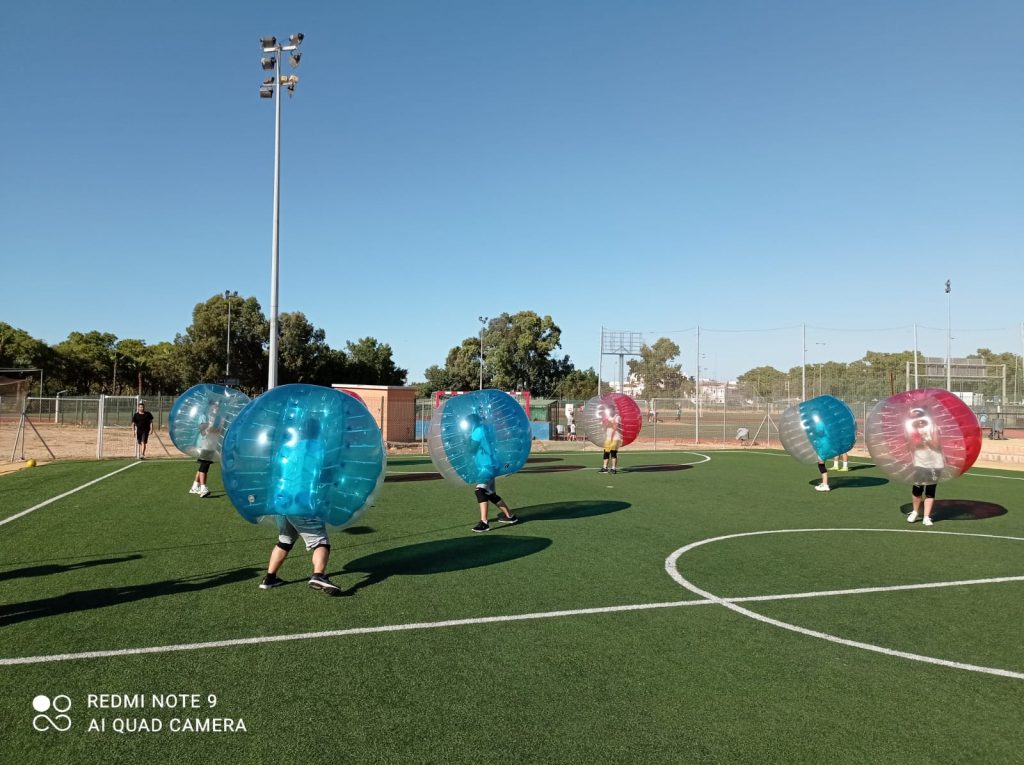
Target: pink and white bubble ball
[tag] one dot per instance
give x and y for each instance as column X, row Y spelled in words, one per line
column 923, row 436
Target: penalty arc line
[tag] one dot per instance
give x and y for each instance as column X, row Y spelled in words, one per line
column 15, row 661
column 670, row 568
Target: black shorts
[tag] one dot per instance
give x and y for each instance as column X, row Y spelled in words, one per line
column 142, row 436
column 482, row 495
column 928, row 490
column 204, row 466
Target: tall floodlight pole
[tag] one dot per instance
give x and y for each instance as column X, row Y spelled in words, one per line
column 916, row 384
column 271, row 88
column 803, row 367
column 949, row 338
column 228, row 296
column 483, row 323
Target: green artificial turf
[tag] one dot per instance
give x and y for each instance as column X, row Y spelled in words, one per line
column 652, row 673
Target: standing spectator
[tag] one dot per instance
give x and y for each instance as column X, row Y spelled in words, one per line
column 142, row 422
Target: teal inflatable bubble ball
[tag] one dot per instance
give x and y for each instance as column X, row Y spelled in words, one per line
column 200, row 418
column 479, row 435
column 304, row 451
column 818, row 429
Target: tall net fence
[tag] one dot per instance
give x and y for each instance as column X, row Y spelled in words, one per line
column 66, row 428
column 13, row 394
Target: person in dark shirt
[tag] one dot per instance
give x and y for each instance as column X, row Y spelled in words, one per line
column 142, row 422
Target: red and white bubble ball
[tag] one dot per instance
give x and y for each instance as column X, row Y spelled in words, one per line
column 611, row 421
column 923, row 436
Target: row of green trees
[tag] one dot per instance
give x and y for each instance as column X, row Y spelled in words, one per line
column 520, row 352
column 99, row 362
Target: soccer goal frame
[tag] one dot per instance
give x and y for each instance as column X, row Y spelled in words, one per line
column 522, row 396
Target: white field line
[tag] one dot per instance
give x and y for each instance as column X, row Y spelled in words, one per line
column 731, row 604
column 492, row 620
column 67, row 493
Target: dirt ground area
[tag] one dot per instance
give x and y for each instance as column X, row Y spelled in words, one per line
column 50, row 442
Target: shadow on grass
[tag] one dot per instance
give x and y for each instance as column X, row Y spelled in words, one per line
column 961, row 510
column 561, row 511
column 405, row 477
column 441, row 556
column 861, row 482
column 357, row 530
column 413, row 461
column 58, row 568
column 87, row 600
column 534, row 460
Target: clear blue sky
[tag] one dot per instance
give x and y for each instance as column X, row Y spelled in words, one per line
column 646, row 166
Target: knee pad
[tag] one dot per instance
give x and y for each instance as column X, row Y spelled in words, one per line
column 821, row 468
column 286, row 547
column 322, row 544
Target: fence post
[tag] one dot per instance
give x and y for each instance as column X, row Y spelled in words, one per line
column 99, row 428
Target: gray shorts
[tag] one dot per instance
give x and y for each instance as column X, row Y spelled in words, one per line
column 312, row 530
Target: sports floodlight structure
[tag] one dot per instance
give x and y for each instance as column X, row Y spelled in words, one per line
column 483, row 323
column 271, row 88
column 229, row 296
column 619, row 343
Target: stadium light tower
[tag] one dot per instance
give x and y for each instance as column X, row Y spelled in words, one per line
column 229, row 296
column 949, row 335
column 483, row 323
column 271, row 88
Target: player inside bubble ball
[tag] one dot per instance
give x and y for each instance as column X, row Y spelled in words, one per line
column 482, row 447
column 612, row 424
column 208, row 442
column 298, row 471
column 926, row 447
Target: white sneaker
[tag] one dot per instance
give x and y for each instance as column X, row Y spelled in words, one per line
column 822, row 487
column 926, row 521
column 913, row 517
column 203, row 492
column 194, row 490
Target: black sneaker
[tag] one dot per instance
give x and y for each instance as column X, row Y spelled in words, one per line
column 270, row 580
column 603, row 470
column 613, row 471
column 482, row 526
column 509, row 519
column 322, row 583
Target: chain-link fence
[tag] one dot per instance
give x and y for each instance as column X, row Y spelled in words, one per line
column 80, row 427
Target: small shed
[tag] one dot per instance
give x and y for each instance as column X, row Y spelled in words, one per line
column 392, row 406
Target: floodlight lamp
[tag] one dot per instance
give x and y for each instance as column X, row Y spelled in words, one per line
column 268, row 43
column 294, row 60
column 268, row 63
column 296, row 39
column 266, row 92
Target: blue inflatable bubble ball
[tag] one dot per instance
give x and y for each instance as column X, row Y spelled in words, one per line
column 200, row 417
column 818, row 429
column 304, row 451
column 480, row 435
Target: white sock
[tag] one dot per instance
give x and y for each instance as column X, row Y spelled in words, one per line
column 195, row 486
column 846, row 464
column 835, row 466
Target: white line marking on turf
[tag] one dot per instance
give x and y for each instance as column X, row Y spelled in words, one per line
column 670, row 568
column 491, row 620
column 344, row 632
column 67, row 493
